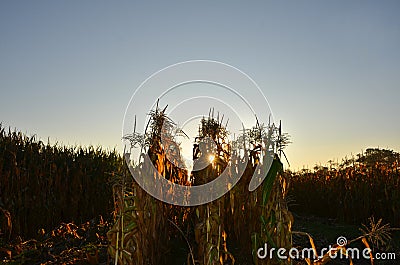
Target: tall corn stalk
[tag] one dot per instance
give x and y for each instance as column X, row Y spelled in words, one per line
column 141, row 232
column 261, row 216
column 210, row 234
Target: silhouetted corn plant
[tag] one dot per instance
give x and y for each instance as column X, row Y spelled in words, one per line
column 141, row 229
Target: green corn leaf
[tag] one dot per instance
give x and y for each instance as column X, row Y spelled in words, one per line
column 276, row 167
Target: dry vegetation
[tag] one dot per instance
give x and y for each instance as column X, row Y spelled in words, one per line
column 144, row 226
column 47, row 190
column 352, row 191
column 43, row 185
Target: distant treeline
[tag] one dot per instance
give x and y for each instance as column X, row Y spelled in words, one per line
column 42, row 185
column 368, row 185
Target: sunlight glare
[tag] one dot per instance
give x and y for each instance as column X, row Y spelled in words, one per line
column 211, row 158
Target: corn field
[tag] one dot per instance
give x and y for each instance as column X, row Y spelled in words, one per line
column 146, row 229
column 352, row 193
column 43, row 185
column 49, row 189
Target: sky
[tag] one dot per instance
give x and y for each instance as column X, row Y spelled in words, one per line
column 329, row 69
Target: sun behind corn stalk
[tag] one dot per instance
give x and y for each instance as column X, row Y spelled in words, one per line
column 210, row 234
column 141, row 221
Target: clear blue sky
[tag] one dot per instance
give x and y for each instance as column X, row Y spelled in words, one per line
column 330, row 69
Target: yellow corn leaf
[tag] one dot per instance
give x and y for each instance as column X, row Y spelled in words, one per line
column 364, row 240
